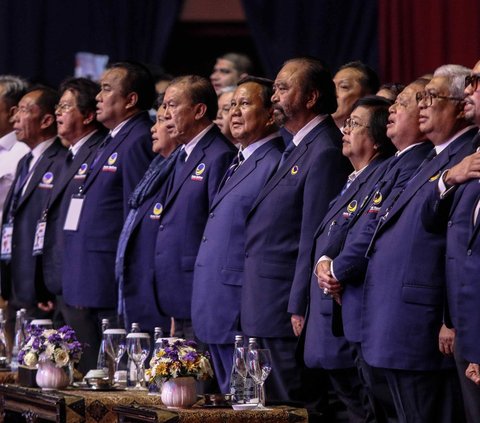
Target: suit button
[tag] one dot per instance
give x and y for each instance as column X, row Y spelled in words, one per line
column 246, row 254
column 450, row 223
column 211, row 215
column 161, row 227
column 469, row 252
column 204, row 239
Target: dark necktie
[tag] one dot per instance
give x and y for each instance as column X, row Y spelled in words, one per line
column 19, row 184
column 100, row 150
column 287, row 153
column 179, row 164
column 430, row 156
column 236, row 162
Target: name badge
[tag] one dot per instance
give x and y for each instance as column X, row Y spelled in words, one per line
column 39, row 238
column 7, row 233
column 73, row 213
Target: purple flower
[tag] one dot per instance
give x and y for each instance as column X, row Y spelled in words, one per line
column 190, row 356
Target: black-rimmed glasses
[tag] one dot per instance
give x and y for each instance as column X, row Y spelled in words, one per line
column 428, row 97
column 472, row 80
column 352, row 124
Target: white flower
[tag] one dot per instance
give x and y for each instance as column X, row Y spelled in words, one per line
column 30, row 359
column 61, row 357
column 49, row 351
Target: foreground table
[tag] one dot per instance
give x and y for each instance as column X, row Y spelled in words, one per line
column 199, row 414
column 32, row 405
column 66, row 406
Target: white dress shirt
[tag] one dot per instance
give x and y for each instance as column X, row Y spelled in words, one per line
column 11, row 151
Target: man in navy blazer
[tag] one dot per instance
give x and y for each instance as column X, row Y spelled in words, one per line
column 37, row 174
column 349, row 262
column 190, row 106
column 96, row 212
column 79, row 128
column 283, row 219
column 403, row 294
column 218, row 275
column 454, row 208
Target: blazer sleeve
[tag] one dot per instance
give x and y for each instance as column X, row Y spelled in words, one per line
column 323, row 182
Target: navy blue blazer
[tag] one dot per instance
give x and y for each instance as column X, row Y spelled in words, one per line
column 88, row 276
column 72, row 177
column 139, row 297
column 350, row 263
column 455, row 215
column 468, row 312
column 22, row 277
column 218, row 276
column 183, row 220
column 280, row 229
column 403, row 297
column 322, row 349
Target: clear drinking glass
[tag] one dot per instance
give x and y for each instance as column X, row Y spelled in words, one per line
column 138, row 349
column 115, row 345
column 259, row 365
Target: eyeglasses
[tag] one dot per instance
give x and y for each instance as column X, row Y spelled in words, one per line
column 428, row 97
column 472, row 80
column 352, row 124
column 63, row 107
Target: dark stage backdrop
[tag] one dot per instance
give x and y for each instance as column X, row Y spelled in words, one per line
column 39, row 38
column 402, row 39
column 336, row 31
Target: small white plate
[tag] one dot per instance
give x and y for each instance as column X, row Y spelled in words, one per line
column 240, row 407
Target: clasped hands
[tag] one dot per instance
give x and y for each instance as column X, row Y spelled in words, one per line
column 327, row 283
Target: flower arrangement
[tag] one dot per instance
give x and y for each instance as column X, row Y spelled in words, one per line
column 59, row 346
column 178, row 358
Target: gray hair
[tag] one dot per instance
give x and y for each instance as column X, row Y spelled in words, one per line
column 456, row 78
column 14, row 88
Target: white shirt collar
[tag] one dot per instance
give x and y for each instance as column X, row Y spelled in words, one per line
column 248, row 151
column 117, row 128
column 78, row 145
column 441, row 147
column 400, row 152
column 39, row 150
column 195, row 140
column 298, row 137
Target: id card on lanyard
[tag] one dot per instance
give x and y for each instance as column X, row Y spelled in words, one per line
column 39, row 238
column 74, row 212
column 7, row 234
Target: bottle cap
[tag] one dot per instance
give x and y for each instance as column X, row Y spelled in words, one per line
column 252, row 340
column 238, row 337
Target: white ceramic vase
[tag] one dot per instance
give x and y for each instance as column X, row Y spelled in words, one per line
column 50, row 376
column 180, row 392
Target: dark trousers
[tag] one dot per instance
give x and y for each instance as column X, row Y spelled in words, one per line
column 349, row 389
column 376, row 389
column 87, row 323
column 470, row 390
column 222, row 361
column 423, row 396
column 284, row 381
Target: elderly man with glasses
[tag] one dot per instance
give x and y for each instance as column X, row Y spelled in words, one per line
column 403, row 294
column 454, row 207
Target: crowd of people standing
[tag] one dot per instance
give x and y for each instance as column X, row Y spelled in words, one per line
column 335, row 222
